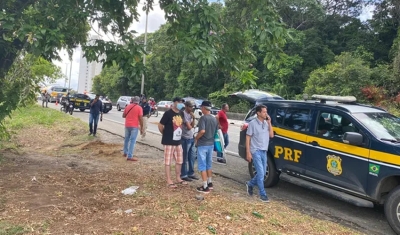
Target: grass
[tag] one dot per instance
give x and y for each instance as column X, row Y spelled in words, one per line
column 9, row 229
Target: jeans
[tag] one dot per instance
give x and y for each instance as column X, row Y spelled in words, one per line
column 188, row 158
column 131, row 134
column 93, row 118
column 226, row 142
column 260, row 163
column 204, row 157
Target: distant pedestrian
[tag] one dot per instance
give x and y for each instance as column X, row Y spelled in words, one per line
column 187, row 172
column 146, row 115
column 258, row 134
column 96, row 112
column 223, row 125
column 45, row 98
column 133, row 115
column 205, row 146
column 170, row 127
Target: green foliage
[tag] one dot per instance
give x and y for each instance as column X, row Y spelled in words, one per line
column 20, row 85
column 109, row 82
column 346, row 76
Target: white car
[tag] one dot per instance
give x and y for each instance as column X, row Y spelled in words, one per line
column 164, row 104
column 122, row 102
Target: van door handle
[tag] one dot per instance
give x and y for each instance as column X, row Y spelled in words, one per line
column 313, row 143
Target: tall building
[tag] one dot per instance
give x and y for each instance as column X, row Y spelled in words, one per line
column 87, row 71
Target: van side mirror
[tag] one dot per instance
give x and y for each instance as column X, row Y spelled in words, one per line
column 353, row 138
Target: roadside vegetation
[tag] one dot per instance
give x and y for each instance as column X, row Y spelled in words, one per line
column 56, row 179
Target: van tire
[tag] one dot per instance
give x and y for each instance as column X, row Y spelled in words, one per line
column 392, row 207
column 82, row 110
column 272, row 178
column 118, row 108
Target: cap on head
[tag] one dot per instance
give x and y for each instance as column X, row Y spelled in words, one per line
column 178, row 99
column 206, row 104
column 135, row 99
column 190, row 103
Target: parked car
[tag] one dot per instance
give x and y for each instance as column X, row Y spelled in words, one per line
column 55, row 92
column 81, row 101
column 164, row 104
column 107, row 105
column 122, row 102
column 333, row 145
column 197, row 110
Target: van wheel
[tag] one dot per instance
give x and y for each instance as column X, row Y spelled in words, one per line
column 271, row 177
column 118, row 108
column 392, row 209
column 82, row 110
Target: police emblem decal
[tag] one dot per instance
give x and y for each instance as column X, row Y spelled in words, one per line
column 334, row 165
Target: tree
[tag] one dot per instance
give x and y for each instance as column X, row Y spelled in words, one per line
column 19, row 87
column 345, row 76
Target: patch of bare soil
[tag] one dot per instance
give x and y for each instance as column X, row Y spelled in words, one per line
column 72, row 185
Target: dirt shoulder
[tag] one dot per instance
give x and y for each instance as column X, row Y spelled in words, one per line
column 55, row 179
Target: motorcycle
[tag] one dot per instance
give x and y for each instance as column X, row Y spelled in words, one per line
column 69, row 107
column 154, row 111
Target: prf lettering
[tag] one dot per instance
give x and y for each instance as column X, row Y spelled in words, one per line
column 288, row 153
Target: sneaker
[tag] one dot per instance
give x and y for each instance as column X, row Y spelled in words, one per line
column 210, row 186
column 134, row 159
column 264, row 199
column 221, row 161
column 194, row 177
column 249, row 189
column 203, row 190
column 187, row 179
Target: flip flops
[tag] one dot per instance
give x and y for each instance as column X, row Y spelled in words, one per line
column 182, row 182
column 171, row 185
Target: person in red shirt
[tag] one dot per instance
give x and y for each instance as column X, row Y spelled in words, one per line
column 133, row 115
column 223, row 125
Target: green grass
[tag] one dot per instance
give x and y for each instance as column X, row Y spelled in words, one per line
column 8, row 229
column 36, row 115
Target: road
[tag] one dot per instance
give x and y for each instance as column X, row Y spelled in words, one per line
column 364, row 220
column 233, row 130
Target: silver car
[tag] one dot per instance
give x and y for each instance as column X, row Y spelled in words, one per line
column 122, row 102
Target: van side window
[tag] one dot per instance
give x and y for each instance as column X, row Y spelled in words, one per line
column 333, row 126
column 293, row 118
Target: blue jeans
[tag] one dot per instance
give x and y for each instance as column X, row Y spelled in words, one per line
column 93, row 118
column 204, row 157
column 260, row 163
column 188, row 158
column 226, row 142
column 131, row 134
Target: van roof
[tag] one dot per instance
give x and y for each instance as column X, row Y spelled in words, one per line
column 348, row 107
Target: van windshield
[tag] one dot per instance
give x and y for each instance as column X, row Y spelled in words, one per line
column 384, row 126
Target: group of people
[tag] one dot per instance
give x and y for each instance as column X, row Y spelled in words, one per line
column 181, row 143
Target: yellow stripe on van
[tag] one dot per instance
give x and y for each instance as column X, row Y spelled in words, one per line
column 341, row 147
column 385, row 157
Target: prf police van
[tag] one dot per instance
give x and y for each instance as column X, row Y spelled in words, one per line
column 333, row 144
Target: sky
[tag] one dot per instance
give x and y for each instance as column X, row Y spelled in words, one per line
column 155, row 20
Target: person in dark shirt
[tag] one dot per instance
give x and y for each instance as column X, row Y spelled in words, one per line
column 146, row 115
column 96, row 112
column 170, row 127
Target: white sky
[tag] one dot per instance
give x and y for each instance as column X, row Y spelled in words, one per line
column 155, row 20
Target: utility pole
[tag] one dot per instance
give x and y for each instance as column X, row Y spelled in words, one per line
column 145, row 43
column 66, row 74
column 70, row 71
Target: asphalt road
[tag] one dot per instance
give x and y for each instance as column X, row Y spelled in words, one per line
column 233, row 130
column 364, row 220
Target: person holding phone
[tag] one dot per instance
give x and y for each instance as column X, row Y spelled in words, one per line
column 258, row 134
column 96, row 112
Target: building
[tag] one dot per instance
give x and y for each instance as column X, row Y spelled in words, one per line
column 87, row 71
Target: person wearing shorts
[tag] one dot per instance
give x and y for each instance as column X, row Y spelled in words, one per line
column 170, row 127
column 204, row 141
